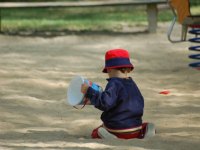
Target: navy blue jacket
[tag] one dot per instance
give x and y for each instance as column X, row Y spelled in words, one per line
column 121, row 102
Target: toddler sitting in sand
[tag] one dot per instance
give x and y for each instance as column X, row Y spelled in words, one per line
column 121, row 102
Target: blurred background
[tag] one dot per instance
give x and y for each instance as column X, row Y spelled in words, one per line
column 80, row 19
column 77, row 19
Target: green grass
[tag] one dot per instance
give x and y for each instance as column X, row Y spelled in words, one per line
column 75, row 19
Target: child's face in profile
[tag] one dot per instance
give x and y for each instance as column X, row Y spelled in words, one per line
column 113, row 73
column 116, row 73
column 109, row 71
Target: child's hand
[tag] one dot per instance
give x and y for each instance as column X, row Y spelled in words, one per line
column 87, row 101
column 84, row 88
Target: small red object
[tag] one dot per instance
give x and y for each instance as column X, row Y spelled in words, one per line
column 165, row 92
column 198, row 68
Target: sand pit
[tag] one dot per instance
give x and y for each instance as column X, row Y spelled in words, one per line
column 35, row 73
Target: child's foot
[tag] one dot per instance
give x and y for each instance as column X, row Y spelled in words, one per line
column 150, row 130
column 104, row 134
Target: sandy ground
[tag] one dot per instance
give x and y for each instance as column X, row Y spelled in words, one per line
column 35, row 73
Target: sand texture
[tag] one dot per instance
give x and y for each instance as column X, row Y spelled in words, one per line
column 35, row 73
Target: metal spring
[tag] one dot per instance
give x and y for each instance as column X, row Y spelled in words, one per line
column 196, row 32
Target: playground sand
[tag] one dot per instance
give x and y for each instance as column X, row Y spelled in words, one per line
column 35, row 73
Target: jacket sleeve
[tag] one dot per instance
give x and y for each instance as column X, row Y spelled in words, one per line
column 104, row 100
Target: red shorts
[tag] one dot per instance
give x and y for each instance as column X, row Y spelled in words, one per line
column 126, row 135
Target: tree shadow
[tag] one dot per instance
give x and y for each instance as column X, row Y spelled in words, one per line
column 55, row 33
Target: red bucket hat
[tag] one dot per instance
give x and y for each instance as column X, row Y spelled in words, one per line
column 117, row 58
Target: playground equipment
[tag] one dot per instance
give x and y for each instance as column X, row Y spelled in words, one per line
column 196, row 32
column 182, row 14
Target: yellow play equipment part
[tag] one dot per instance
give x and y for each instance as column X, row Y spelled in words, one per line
column 182, row 14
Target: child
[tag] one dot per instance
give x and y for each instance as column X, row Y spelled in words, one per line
column 121, row 101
